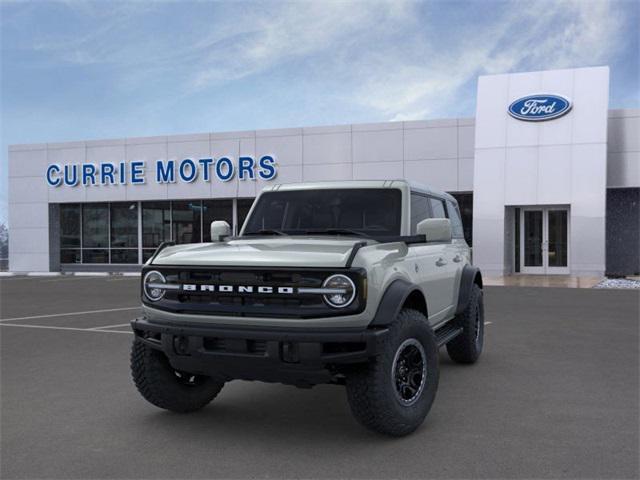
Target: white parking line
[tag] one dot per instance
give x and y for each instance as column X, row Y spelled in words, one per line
column 111, row 326
column 88, row 312
column 69, row 278
column 49, row 327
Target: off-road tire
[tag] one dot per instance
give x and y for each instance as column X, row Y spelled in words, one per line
column 467, row 347
column 162, row 386
column 371, row 389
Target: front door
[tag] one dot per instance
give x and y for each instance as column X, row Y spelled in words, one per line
column 544, row 240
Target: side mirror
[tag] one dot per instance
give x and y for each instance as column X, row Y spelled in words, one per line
column 219, row 230
column 436, row 229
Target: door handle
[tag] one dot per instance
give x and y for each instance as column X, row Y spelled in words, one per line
column 457, row 259
column 441, row 262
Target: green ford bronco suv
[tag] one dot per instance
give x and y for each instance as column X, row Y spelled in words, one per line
column 355, row 283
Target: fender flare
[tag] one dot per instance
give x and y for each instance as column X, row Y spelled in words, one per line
column 470, row 275
column 392, row 301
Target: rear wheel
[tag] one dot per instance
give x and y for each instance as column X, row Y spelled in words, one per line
column 163, row 386
column 393, row 394
column 467, row 347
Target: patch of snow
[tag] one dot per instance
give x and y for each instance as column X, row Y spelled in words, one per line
column 618, row 283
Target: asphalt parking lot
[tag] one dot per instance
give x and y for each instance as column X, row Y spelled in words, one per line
column 554, row 395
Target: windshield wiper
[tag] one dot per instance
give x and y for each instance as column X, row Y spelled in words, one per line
column 337, row 231
column 267, row 231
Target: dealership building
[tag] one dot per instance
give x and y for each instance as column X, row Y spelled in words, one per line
column 546, row 175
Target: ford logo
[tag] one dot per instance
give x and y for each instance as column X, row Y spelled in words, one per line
column 535, row 108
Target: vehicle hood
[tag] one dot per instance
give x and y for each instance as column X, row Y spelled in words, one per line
column 263, row 252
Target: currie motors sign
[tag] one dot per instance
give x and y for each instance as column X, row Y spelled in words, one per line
column 137, row 172
column 536, row 108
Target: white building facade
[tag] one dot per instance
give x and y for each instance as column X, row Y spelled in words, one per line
column 546, row 175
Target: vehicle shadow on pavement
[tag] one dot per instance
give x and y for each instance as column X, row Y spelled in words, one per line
column 279, row 413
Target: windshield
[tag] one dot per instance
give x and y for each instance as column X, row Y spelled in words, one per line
column 362, row 212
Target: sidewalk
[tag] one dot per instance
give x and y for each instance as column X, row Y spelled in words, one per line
column 562, row 281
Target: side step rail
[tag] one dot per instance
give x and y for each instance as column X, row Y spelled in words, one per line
column 447, row 333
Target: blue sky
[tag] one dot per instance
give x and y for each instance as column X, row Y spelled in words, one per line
column 83, row 70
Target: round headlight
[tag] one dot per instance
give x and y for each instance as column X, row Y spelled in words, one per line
column 342, row 291
column 152, row 285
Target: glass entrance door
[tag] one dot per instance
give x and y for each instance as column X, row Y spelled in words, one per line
column 544, row 240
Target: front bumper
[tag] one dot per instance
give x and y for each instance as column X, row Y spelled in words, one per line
column 271, row 354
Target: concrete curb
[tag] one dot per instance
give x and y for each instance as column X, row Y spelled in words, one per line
column 69, row 274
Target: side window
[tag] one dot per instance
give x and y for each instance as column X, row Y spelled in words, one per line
column 419, row 210
column 437, row 208
column 456, row 223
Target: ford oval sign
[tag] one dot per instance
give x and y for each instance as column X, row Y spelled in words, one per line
column 536, row 108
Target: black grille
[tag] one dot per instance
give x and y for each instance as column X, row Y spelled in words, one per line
column 285, row 305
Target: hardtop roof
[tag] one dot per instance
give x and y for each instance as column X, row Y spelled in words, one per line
column 396, row 183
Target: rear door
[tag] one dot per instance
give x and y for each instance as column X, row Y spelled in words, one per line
column 462, row 252
column 448, row 262
column 432, row 268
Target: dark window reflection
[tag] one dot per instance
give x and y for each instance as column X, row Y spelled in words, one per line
column 215, row 210
column 156, row 223
column 517, row 241
column 70, row 255
column 244, row 205
column 533, row 238
column 147, row 254
column 465, row 205
column 456, row 223
column 124, row 225
column 95, row 225
column 95, row 256
column 69, row 225
column 186, row 218
column 129, row 255
column 558, row 238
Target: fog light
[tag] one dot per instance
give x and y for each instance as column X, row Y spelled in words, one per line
column 181, row 345
column 340, row 291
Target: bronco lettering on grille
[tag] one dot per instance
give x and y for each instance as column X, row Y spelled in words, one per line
column 191, row 287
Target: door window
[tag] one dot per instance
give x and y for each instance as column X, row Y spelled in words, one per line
column 419, row 210
column 544, row 240
column 456, row 222
column 437, row 208
column 557, row 243
column 533, row 238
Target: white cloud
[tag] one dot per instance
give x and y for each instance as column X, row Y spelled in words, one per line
column 293, row 31
column 385, row 56
column 538, row 36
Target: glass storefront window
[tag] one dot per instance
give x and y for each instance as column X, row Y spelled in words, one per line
column 124, row 225
column 185, row 219
column 215, row 210
column 108, row 232
column 70, row 226
column 95, row 225
column 147, row 253
column 156, row 223
column 95, row 255
column 244, row 205
column 127, row 255
column 68, row 255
